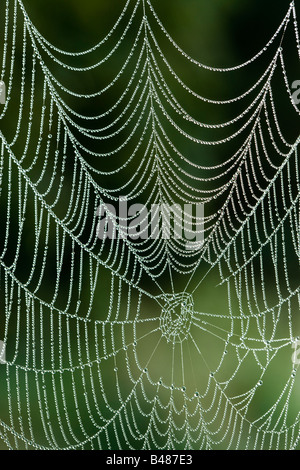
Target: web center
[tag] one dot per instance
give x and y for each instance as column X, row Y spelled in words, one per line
column 176, row 317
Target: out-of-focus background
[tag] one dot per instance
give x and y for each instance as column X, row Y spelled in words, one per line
column 218, row 33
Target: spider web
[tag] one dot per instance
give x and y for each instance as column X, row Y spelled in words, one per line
column 143, row 344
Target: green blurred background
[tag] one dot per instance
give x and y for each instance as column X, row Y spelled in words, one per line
column 220, row 33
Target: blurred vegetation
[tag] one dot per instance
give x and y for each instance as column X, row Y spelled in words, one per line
column 220, row 33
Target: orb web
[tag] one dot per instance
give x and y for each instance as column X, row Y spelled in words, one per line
column 143, row 344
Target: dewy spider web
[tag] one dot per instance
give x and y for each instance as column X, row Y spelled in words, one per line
column 110, row 344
